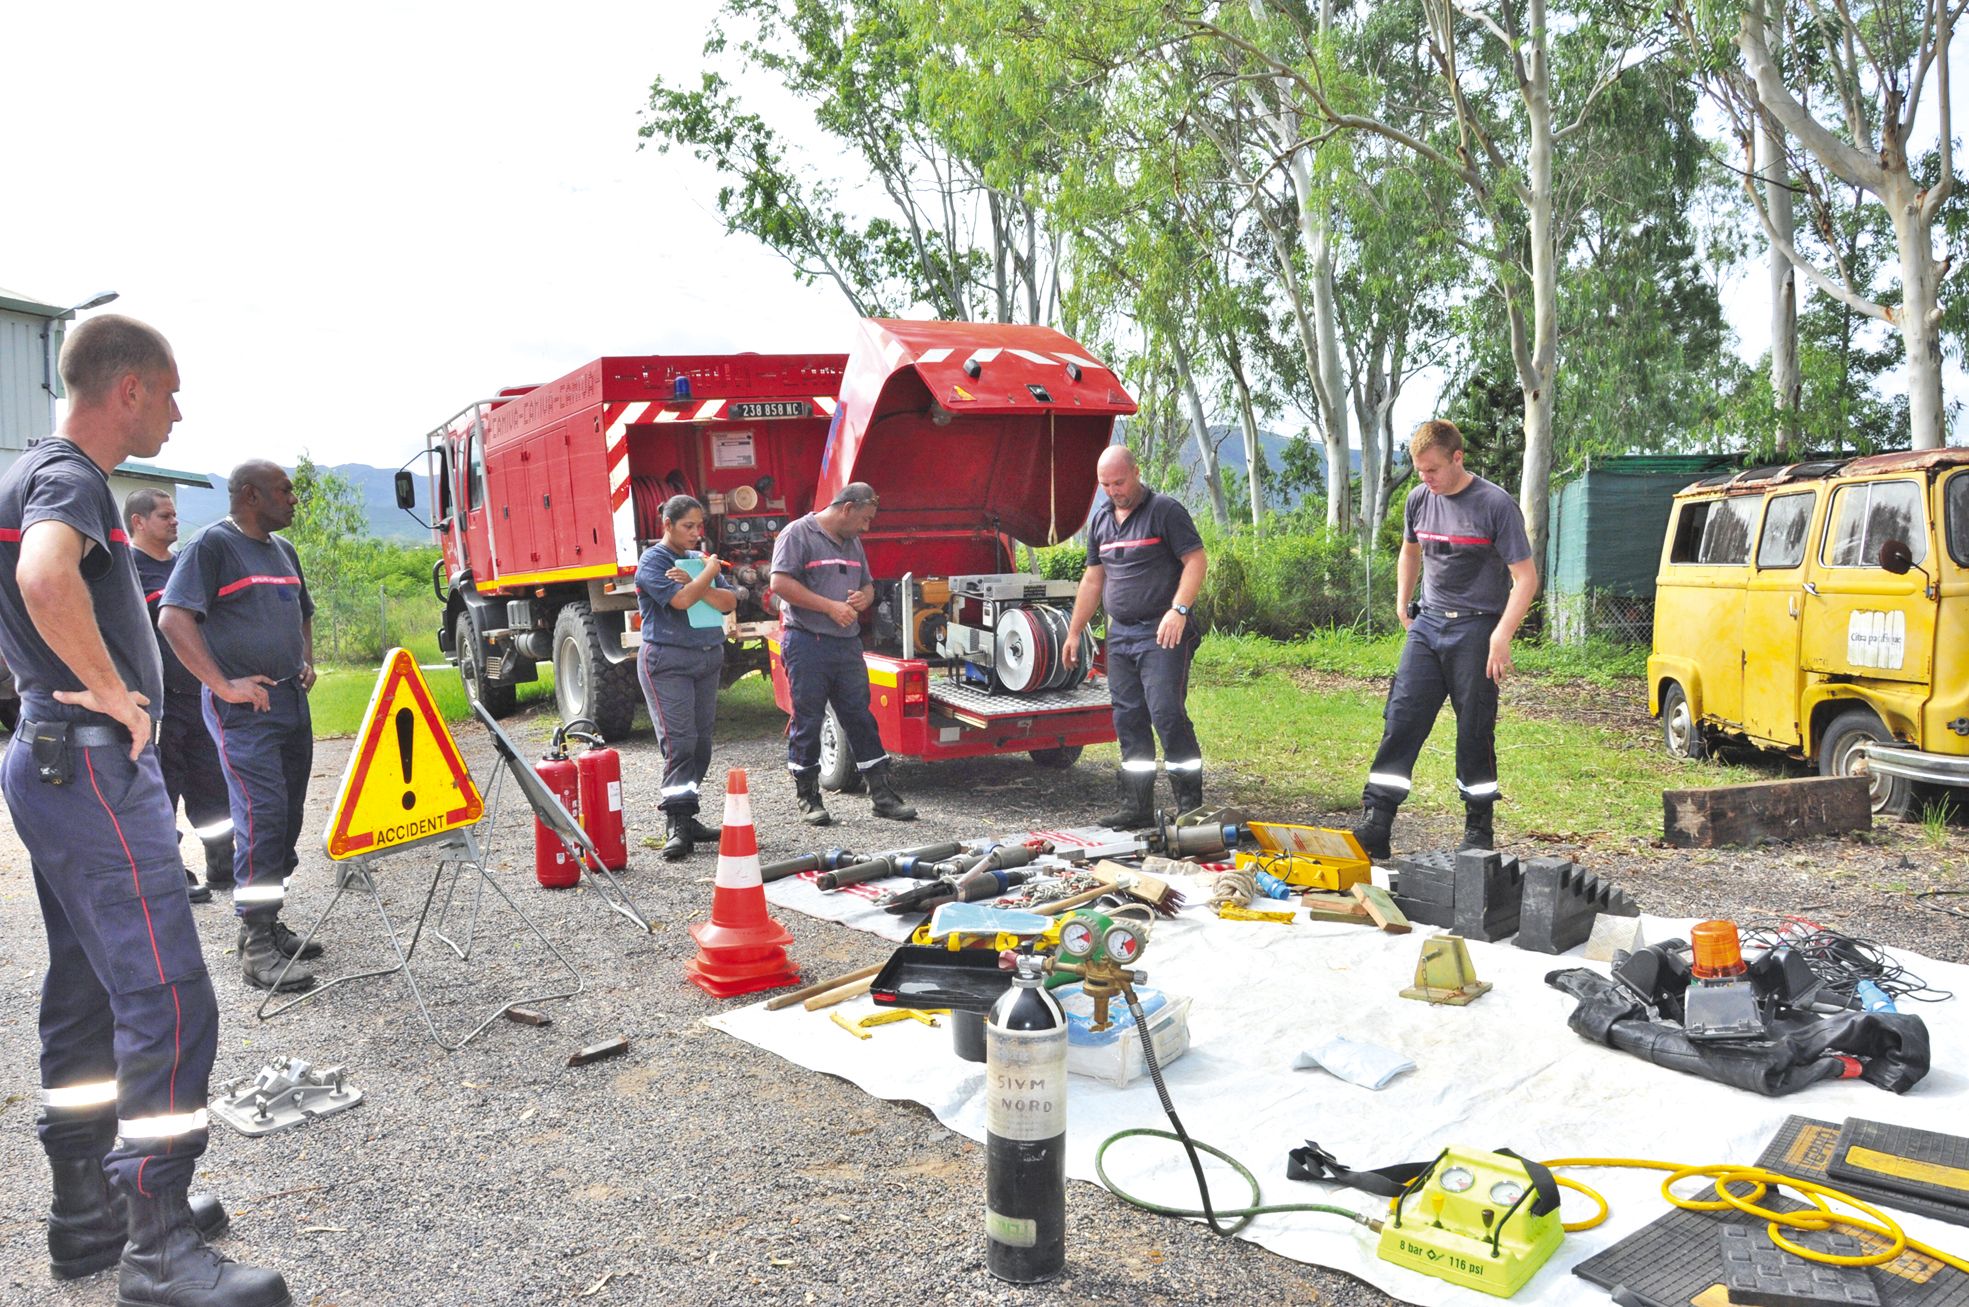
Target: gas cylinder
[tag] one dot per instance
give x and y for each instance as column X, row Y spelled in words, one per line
column 601, row 801
column 553, row 865
column 1026, row 1131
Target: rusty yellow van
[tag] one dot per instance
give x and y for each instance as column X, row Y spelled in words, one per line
column 1822, row 609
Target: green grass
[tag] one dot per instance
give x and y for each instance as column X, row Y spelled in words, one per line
column 1346, row 652
column 1301, row 750
column 341, row 694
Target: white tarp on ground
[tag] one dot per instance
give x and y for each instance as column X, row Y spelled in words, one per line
column 1505, row 1071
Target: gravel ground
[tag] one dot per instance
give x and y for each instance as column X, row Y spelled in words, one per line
column 697, row 1169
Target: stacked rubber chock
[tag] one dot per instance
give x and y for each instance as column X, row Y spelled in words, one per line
column 1561, row 902
column 1475, row 892
column 741, row 949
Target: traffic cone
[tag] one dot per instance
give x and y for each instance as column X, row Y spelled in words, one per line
column 740, row 950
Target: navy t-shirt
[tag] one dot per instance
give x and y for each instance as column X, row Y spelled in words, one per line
column 153, row 573
column 832, row 569
column 663, row 624
column 1469, row 541
column 55, row 481
column 1142, row 557
column 250, row 597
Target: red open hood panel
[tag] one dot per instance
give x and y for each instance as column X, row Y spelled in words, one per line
column 1012, row 449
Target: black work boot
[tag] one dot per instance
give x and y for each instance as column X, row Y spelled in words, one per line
column 882, row 788
column 1187, row 786
column 677, row 841
column 168, row 1264
column 290, row 944
column 1137, row 801
column 261, row 961
column 806, row 788
column 88, row 1222
column 1477, row 827
column 854, row 784
column 1372, row 831
column 218, row 864
column 195, row 889
column 698, row 833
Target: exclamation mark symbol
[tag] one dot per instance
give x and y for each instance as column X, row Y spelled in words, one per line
column 405, row 721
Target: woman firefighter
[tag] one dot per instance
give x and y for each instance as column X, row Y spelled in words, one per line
column 681, row 663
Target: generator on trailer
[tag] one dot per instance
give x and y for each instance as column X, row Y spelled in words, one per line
column 977, row 437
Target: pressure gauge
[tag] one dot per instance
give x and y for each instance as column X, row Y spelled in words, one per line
column 1077, row 939
column 1457, row 1179
column 1506, row 1192
column 1124, row 943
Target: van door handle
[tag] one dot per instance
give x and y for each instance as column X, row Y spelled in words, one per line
column 1792, row 604
column 1812, row 589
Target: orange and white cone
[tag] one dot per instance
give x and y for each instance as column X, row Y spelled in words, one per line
column 740, row 950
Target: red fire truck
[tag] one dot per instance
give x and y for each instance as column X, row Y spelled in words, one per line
column 977, row 436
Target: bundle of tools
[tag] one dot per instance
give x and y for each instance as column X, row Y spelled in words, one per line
column 1771, row 1025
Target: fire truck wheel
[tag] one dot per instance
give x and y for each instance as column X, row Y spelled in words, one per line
column 1057, row 759
column 837, row 764
column 586, row 684
column 499, row 700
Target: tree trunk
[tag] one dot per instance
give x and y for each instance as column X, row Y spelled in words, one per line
column 1248, row 420
column 1536, row 487
column 1786, row 388
column 1919, row 314
column 1206, row 452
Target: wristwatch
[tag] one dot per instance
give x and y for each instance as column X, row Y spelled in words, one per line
column 1181, row 610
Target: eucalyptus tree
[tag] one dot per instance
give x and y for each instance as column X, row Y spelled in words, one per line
column 1849, row 92
column 1514, row 83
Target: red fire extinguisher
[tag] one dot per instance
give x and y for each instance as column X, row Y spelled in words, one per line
column 554, row 865
column 601, row 798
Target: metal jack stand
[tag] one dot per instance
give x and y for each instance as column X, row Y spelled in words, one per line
column 458, row 851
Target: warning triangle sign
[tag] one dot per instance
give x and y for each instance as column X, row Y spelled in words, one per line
column 405, row 781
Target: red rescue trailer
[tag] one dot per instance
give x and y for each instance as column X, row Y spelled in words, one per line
column 977, row 436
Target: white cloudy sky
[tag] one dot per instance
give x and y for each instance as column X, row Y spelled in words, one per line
column 351, row 224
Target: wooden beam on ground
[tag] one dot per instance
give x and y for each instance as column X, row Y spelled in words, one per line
column 1774, row 810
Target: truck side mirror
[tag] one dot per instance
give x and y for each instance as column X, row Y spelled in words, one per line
column 1896, row 557
column 407, row 494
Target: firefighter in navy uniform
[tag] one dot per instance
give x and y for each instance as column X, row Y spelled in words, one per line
column 680, row 665
column 129, row 1023
column 823, row 585
column 238, row 613
column 1145, row 567
column 1464, row 538
column 184, row 747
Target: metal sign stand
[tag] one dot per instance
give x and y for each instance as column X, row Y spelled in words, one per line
column 459, row 852
column 555, row 816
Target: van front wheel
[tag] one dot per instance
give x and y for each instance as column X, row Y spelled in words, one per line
column 1842, row 752
column 1679, row 729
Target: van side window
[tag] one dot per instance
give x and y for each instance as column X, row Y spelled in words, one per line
column 1955, row 509
column 1782, row 543
column 1866, row 514
column 1715, row 532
